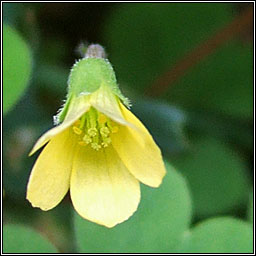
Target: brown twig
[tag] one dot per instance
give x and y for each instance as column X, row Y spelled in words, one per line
column 240, row 23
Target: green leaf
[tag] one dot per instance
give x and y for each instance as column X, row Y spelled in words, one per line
column 22, row 239
column 250, row 208
column 217, row 177
column 221, row 83
column 142, row 47
column 229, row 130
column 219, row 235
column 16, row 67
column 157, row 226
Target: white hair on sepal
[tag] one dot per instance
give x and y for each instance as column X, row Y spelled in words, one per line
column 127, row 102
column 56, row 118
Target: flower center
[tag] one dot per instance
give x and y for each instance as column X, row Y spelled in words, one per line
column 95, row 129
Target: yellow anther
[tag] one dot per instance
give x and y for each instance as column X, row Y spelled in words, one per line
column 106, row 142
column 82, row 143
column 102, row 119
column 87, row 139
column 95, row 128
column 92, row 132
column 95, row 146
column 77, row 130
column 104, row 131
column 114, row 129
column 104, row 145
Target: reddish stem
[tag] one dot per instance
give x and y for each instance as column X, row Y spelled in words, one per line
column 207, row 47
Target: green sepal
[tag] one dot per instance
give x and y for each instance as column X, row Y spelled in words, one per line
column 62, row 112
column 89, row 74
column 86, row 76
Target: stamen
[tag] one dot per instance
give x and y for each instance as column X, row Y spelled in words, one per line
column 77, row 130
column 104, row 131
column 92, row 132
column 106, row 142
column 95, row 146
column 92, row 116
column 87, row 139
column 94, row 128
column 82, row 121
column 102, row 119
column 114, row 129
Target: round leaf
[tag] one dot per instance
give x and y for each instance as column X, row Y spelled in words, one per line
column 157, row 226
column 220, row 235
column 16, row 67
column 217, row 177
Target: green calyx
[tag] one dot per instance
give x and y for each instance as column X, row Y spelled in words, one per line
column 89, row 74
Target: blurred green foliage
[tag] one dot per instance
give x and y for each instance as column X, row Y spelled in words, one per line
column 219, row 235
column 157, row 36
column 211, row 166
column 250, row 210
column 171, row 136
column 21, row 239
column 157, row 226
column 225, row 85
column 16, row 67
column 203, row 123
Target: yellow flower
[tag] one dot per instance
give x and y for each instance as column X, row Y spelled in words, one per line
column 101, row 152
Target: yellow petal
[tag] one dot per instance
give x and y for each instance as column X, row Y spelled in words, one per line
column 138, row 151
column 77, row 108
column 106, row 102
column 50, row 177
column 102, row 189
